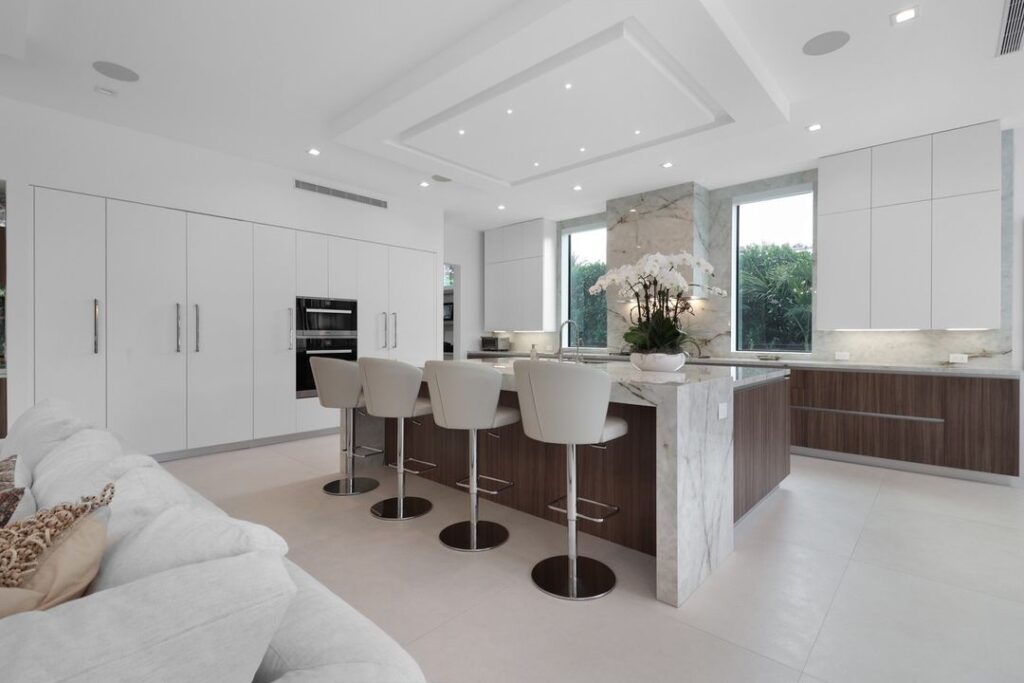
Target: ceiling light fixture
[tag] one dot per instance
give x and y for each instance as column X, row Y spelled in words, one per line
column 424, row 183
column 501, row 207
column 313, row 152
column 536, row 164
column 462, row 131
column 904, row 15
column 508, row 111
column 583, row 149
column 568, row 86
column 577, row 188
column 636, row 132
column 814, row 128
column 632, row 210
column 100, row 90
column 667, row 164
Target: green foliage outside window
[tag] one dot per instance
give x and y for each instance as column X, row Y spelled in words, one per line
column 589, row 310
column 774, row 291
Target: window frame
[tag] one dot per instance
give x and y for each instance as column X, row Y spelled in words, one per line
column 565, row 229
column 751, row 198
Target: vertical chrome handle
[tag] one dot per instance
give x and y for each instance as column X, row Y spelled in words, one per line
column 385, row 345
column 291, row 329
column 95, row 325
column 197, row 328
column 394, row 320
column 177, row 322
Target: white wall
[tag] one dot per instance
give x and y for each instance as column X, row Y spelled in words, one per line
column 44, row 147
column 464, row 247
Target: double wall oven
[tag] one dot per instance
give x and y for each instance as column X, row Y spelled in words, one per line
column 323, row 327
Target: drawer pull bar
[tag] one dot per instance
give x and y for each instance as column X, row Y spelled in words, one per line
column 887, row 416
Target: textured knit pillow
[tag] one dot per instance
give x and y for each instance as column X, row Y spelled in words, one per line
column 10, row 499
column 16, row 501
column 52, row 556
column 7, row 470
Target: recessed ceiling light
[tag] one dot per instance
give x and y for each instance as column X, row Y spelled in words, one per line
column 827, row 42
column 462, row 131
column 632, row 210
column 568, row 86
column 508, row 111
column 904, row 15
column 105, row 91
column 116, row 71
column 577, row 188
column 667, row 164
column 814, row 128
column 536, row 164
column 313, row 152
column 501, row 207
column 583, row 149
column 424, row 183
column 636, row 132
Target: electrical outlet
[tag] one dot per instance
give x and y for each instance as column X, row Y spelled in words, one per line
column 723, row 411
column 842, row 355
column 958, row 358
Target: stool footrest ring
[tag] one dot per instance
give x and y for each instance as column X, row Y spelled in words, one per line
column 367, row 451
column 425, row 466
column 604, row 510
column 502, row 484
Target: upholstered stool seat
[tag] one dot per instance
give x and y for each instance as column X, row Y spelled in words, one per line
column 339, row 385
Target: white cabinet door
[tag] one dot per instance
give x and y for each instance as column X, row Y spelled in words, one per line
column 312, row 416
column 494, row 245
column 530, row 292
column 843, row 271
column 274, row 406
column 312, row 264
column 844, row 182
column 512, row 239
column 374, row 315
column 966, row 261
column 901, row 266
column 901, row 172
column 343, row 275
column 534, row 234
column 220, row 331
column 967, row 160
column 70, row 302
column 146, row 249
column 492, row 297
column 415, row 306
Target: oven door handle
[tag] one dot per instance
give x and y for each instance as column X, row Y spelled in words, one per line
column 336, row 311
column 326, row 351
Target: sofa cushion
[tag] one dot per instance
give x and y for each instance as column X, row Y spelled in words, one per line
column 39, row 430
column 80, row 466
column 181, row 535
column 202, row 622
column 323, row 638
column 142, row 494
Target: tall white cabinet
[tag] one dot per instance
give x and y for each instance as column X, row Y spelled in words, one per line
column 147, row 326
column 71, row 301
column 273, row 371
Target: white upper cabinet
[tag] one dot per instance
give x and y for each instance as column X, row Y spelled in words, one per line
column 513, row 241
column 220, row 348
column 843, row 290
column 844, row 182
column 274, row 406
column 147, row 326
column 519, row 284
column 967, row 160
column 967, row 261
column 312, row 264
column 71, row 301
column 494, row 246
column 901, row 291
column 343, row 268
column 901, row 172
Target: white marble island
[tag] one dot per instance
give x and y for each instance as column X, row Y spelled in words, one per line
column 693, row 461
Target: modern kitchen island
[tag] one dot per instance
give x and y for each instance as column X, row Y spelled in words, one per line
column 677, row 477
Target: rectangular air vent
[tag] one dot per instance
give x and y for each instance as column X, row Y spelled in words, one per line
column 1013, row 27
column 340, row 194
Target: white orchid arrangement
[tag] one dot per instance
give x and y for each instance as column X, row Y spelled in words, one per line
column 662, row 294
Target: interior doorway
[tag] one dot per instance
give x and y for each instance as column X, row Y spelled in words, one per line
column 450, row 313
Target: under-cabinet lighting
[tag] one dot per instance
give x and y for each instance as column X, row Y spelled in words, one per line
column 966, row 329
column 878, row 329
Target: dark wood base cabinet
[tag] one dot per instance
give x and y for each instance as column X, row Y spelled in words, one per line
column 622, row 473
column 969, row 423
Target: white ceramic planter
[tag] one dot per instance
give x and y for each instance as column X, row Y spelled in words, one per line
column 657, row 362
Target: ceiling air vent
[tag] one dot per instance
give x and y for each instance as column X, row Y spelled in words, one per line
column 340, row 194
column 1013, row 27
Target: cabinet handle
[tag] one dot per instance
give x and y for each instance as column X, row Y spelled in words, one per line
column 291, row 329
column 394, row 320
column 95, row 326
column 177, row 335
column 385, row 345
column 197, row 328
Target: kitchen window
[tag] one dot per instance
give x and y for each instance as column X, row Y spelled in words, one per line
column 584, row 259
column 774, row 273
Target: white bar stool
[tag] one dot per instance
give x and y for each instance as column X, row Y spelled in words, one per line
column 392, row 389
column 567, row 403
column 339, row 385
column 465, row 396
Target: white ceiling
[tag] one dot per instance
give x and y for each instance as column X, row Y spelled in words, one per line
column 718, row 87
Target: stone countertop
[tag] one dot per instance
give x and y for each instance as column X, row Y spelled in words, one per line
column 743, row 362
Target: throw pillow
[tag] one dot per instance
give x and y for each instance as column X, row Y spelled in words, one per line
column 52, row 556
column 10, row 499
column 7, row 470
column 16, row 499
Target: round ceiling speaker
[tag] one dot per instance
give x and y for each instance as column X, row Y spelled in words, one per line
column 825, row 43
column 116, row 71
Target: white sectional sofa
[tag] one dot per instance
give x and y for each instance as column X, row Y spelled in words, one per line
column 184, row 593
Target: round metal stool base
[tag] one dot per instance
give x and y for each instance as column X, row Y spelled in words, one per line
column 411, row 507
column 593, row 579
column 350, row 487
column 459, row 536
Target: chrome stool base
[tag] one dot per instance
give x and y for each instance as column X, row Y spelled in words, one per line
column 459, row 536
column 399, row 509
column 350, row 486
column 593, row 578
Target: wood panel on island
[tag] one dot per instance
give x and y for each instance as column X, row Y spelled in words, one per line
column 968, row 423
column 621, row 472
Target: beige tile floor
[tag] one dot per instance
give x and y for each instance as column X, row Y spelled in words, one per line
column 846, row 573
